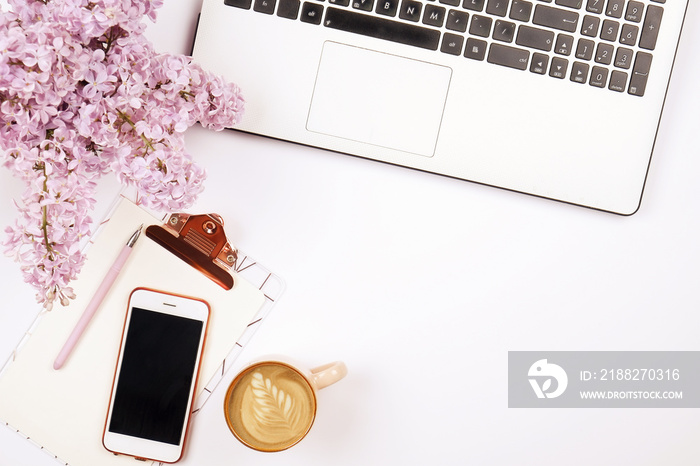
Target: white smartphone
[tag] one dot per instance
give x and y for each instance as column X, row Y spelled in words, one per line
column 156, row 375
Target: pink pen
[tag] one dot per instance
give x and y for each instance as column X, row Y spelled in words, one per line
column 96, row 300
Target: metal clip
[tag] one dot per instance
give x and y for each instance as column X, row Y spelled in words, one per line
column 200, row 241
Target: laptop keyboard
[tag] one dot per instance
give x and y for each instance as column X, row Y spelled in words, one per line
column 600, row 43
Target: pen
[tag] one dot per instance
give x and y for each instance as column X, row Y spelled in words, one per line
column 96, row 300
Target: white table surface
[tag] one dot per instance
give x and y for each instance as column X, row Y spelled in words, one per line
column 422, row 284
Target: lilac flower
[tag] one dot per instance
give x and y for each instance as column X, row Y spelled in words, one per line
column 82, row 92
column 98, row 81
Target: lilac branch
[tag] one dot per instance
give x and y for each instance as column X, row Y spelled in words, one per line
column 83, row 93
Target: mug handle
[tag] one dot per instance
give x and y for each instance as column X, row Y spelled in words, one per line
column 328, row 374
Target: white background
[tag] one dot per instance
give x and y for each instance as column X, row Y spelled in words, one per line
column 422, row 284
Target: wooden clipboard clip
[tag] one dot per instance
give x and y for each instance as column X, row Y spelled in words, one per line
column 200, row 241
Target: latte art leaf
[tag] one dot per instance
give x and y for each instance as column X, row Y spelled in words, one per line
column 273, row 408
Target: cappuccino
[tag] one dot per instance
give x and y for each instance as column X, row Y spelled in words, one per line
column 270, row 406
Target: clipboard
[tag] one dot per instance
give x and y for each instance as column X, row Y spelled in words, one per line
column 63, row 412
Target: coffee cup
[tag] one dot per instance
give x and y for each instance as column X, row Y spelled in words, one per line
column 271, row 405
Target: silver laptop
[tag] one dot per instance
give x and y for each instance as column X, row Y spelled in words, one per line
column 555, row 98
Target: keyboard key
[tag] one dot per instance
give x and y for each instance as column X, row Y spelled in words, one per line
column 245, row 4
column 381, row 28
column 476, row 5
column 584, row 49
column 520, row 10
column 366, row 5
column 604, row 53
column 570, row 3
column 615, row 8
column 650, row 31
column 410, row 10
column 452, row 44
column 590, row 25
column 640, row 74
column 480, row 26
column 457, row 20
column 634, row 12
column 264, row 6
column 340, row 2
column 475, row 49
column 599, row 76
column 629, row 33
column 623, row 58
column 595, row 6
column 555, row 18
column 564, row 44
column 539, row 63
column 579, row 72
column 535, row 38
column 609, row 30
column 559, row 67
column 497, row 7
column 289, row 9
column 434, row 15
column 451, row 2
column 387, row 7
column 511, row 57
column 618, row 81
column 504, row 31
column 311, row 13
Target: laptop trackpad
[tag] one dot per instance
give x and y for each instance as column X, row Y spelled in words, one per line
column 379, row 99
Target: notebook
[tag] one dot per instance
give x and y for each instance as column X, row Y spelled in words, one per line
column 64, row 411
column 555, row 98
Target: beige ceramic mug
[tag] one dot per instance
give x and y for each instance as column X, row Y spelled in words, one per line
column 271, row 405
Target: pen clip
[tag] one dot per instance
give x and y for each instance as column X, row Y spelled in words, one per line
column 200, row 241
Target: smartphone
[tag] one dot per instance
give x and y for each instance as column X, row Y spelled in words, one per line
column 156, row 375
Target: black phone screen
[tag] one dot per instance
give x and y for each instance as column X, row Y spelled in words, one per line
column 153, row 386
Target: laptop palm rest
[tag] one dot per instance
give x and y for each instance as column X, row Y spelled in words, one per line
column 379, row 99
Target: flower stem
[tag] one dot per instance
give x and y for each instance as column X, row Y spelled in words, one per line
column 126, row 118
column 44, row 217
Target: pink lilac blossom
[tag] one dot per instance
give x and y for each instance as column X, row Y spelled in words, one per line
column 83, row 93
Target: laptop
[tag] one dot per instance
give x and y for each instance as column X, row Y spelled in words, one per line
column 555, row 98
